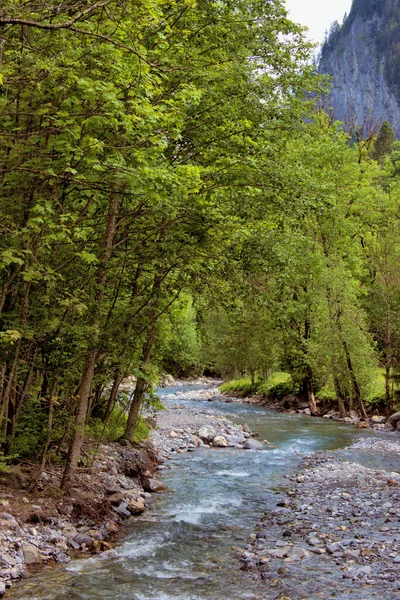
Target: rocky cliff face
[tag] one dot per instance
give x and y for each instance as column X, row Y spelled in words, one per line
column 360, row 92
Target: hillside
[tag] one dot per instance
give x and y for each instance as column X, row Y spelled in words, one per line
column 363, row 57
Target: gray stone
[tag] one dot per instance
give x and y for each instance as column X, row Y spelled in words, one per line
column 279, row 552
column 253, row 445
column 83, row 539
column 7, row 559
column 122, row 509
column 207, row 433
column 334, row 547
column 313, row 541
column 62, row 558
column 296, row 553
column 2, row 589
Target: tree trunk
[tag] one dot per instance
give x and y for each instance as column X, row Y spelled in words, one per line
column 134, row 411
column 118, row 378
column 16, row 403
column 92, row 352
column 48, row 436
column 80, row 420
column 141, row 384
column 356, row 388
column 339, row 398
column 388, row 391
column 308, row 379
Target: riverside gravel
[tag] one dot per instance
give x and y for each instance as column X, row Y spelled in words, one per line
column 335, row 532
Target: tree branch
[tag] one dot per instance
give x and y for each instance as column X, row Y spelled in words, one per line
column 52, row 26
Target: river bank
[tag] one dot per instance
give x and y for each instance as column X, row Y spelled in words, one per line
column 334, row 533
column 43, row 526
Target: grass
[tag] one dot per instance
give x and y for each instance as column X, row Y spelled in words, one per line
column 278, row 384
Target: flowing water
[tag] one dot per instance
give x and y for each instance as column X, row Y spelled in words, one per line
column 183, row 547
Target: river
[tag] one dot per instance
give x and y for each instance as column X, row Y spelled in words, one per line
column 183, row 547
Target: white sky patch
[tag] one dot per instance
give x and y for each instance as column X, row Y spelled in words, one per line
column 317, row 15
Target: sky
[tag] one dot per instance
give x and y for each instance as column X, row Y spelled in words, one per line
column 317, row 14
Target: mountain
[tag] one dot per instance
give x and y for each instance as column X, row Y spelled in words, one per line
column 363, row 57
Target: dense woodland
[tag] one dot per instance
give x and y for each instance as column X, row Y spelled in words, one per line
column 172, row 200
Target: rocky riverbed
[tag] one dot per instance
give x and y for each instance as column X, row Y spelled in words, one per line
column 335, row 531
column 182, row 429
column 42, row 525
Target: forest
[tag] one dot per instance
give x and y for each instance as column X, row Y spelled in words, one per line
column 174, row 200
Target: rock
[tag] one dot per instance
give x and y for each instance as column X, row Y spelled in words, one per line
column 62, row 558
column 116, row 499
column 136, row 507
column 7, row 516
column 83, row 540
column 307, row 412
column 261, row 535
column 333, row 547
column 362, row 425
column 173, row 434
column 392, row 424
column 122, row 509
column 112, row 527
column 220, row 442
column 154, row 485
column 287, row 533
column 110, row 485
column 378, row 420
column 7, row 559
column 31, row 555
column 2, row 589
column 297, row 553
column 207, row 433
column 98, row 546
column 253, row 445
column 313, row 541
column 279, row 552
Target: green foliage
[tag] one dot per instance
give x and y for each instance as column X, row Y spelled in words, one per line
column 277, row 385
column 384, row 142
column 242, row 387
column 114, row 430
column 141, row 432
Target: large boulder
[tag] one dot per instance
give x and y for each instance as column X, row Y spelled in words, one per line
column 207, row 433
column 393, row 422
column 253, row 445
